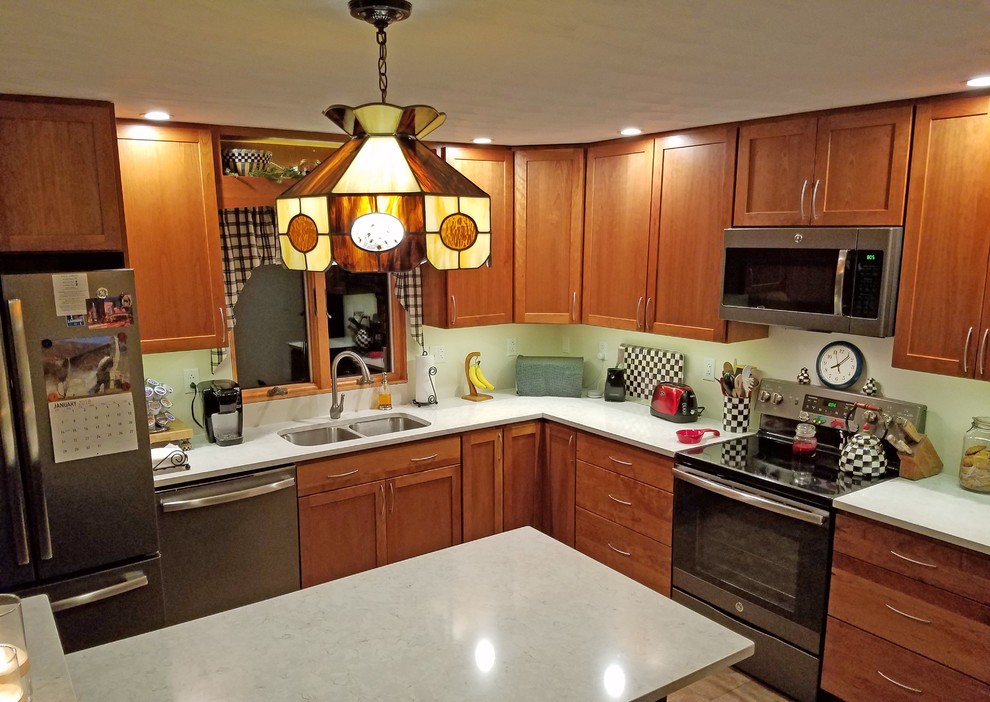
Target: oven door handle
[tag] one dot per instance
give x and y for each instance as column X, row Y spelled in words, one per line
column 816, row 518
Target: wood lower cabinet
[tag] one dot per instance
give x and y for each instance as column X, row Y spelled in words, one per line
column 521, row 485
column 624, row 508
column 470, row 298
column 905, row 605
column 173, row 235
column 943, row 306
column 842, row 168
column 404, row 508
column 558, row 482
column 549, row 224
column 60, row 190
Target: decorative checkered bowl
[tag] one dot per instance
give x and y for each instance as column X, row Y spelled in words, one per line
column 244, row 162
column 735, row 414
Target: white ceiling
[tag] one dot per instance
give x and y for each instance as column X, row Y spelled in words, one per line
column 519, row 71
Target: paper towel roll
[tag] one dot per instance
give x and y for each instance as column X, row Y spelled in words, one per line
column 425, row 392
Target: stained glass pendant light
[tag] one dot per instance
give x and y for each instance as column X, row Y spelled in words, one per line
column 384, row 201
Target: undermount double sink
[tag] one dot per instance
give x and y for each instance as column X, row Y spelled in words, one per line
column 350, row 430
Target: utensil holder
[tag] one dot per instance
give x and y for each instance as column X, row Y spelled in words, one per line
column 735, row 414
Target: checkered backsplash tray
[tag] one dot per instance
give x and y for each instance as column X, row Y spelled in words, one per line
column 646, row 366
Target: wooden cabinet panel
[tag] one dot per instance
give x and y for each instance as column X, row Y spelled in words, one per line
column 424, row 513
column 549, row 218
column 946, row 239
column 60, row 190
column 937, row 624
column 618, row 238
column 638, row 464
column 482, row 296
column 632, row 504
column 641, row 558
column 861, row 166
column 173, row 236
column 376, row 464
column 521, row 475
column 481, row 477
column 774, row 173
column 957, row 570
column 859, row 667
column 559, row 483
column 341, row 532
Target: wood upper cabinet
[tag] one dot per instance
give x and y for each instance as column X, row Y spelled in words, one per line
column 60, row 190
column 943, row 306
column 847, row 167
column 173, row 235
column 470, row 298
column 617, row 234
column 549, row 216
column 559, row 482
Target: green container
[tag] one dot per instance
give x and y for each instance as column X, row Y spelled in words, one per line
column 539, row 376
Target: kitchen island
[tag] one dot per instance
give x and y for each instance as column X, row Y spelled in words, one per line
column 513, row 616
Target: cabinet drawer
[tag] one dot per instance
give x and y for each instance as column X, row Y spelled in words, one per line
column 632, row 504
column 944, row 627
column 376, row 464
column 859, row 667
column 646, row 467
column 957, row 570
column 634, row 555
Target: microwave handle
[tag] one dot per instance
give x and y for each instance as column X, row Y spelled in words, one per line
column 840, row 281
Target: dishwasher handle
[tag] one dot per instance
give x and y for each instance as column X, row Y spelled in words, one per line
column 173, row 505
column 132, row 581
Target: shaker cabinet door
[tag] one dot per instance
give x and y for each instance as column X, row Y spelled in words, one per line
column 424, row 512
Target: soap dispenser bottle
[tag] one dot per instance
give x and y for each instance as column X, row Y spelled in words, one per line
column 384, row 394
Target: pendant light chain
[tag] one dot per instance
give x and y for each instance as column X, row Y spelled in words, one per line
column 382, row 68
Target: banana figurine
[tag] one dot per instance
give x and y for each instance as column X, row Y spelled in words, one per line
column 478, row 378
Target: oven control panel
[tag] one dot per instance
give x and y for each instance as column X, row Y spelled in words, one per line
column 827, row 407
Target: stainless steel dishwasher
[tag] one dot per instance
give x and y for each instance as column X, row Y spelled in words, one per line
column 229, row 542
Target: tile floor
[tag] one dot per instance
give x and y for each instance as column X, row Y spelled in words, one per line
column 727, row 685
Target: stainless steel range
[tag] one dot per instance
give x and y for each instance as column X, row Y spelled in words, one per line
column 753, row 521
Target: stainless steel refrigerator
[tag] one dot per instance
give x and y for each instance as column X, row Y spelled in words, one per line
column 77, row 510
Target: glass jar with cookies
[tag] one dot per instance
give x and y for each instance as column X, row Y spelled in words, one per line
column 974, row 471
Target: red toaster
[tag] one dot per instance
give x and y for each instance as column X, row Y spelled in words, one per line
column 675, row 402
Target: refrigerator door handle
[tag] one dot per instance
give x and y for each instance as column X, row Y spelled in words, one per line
column 132, row 581
column 12, row 473
column 22, row 358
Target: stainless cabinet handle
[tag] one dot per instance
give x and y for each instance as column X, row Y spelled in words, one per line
column 23, row 360
column 909, row 616
column 814, row 199
column 983, row 348
column 902, row 685
column 453, row 311
column 646, row 312
column 638, row 306
column 621, row 502
column 132, row 581
column 969, row 335
column 209, row 501
column 12, row 473
column 223, row 321
column 570, row 439
column 574, row 306
column 425, row 458
column 391, row 491
column 343, row 475
column 911, row 560
column 383, row 499
column 624, row 553
column 499, row 435
column 803, row 189
column 616, row 460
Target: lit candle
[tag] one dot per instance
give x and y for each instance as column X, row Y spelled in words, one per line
column 11, row 693
column 7, row 668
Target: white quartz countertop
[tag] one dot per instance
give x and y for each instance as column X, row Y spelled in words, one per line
column 49, row 673
column 262, row 447
column 934, row 506
column 515, row 616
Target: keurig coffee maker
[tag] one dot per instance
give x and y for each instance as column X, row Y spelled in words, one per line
column 222, row 411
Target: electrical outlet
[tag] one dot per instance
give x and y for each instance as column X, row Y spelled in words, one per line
column 603, row 349
column 439, row 353
column 190, row 377
column 510, row 346
column 565, row 344
column 709, row 369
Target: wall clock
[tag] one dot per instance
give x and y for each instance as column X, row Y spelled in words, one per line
column 839, row 365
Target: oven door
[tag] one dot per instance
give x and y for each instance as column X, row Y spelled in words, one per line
column 761, row 558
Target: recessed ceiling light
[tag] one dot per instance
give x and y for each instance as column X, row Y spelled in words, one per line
column 482, row 140
column 978, row 82
column 631, row 131
column 157, row 115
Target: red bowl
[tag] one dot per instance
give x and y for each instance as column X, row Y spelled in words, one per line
column 693, row 436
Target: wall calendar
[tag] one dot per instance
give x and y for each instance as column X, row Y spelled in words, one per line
column 92, row 426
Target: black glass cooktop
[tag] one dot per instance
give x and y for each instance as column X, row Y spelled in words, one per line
column 770, row 464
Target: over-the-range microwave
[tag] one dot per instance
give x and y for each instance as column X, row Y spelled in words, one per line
column 835, row 279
